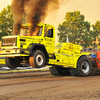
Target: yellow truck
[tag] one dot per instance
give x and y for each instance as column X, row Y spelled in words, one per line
column 39, row 50
column 2, row 59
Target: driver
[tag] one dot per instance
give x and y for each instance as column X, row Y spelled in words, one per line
column 45, row 31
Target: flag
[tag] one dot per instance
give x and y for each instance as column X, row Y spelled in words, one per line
column 67, row 40
column 97, row 41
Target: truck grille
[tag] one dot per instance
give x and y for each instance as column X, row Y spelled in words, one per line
column 9, row 42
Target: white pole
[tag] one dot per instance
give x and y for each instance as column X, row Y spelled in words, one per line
column 67, row 40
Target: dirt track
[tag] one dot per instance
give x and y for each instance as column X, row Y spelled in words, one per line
column 48, row 87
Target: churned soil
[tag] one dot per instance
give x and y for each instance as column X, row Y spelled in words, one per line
column 48, row 87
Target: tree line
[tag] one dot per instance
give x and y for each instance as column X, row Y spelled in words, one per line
column 75, row 27
column 6, row 22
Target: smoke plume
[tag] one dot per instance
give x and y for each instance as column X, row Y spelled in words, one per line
column 35, row 10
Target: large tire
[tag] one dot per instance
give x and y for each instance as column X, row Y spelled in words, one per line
column 84, row 67
column 59, row 71
column 12, row 62
column 37, row 60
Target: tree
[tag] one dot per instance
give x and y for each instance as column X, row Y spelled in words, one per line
column 96, row 28
column 6, row 22
column 76, row 28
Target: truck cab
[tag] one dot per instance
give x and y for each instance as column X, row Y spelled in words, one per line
column 22, row 46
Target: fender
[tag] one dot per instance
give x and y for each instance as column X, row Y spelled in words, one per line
column 78, row 59
column 33, row 47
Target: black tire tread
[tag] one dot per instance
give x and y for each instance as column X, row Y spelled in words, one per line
column 59, row 71
column 9, row 64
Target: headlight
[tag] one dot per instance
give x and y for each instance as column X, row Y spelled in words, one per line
column 14, row 44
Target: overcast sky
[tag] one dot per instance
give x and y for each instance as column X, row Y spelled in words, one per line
column 4, row 3
column 89, row 8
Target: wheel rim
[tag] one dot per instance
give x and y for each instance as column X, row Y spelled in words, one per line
column 39, row 59
column 85, row 67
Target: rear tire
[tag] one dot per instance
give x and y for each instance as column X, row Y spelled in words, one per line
column 12, row 63
column 37, row 60
column 59, row 71
column 84, row 67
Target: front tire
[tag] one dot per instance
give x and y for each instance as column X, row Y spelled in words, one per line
column 12, row 63
column 37, row 60
column 84, row 67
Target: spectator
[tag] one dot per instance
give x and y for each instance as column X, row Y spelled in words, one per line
column 93, row 54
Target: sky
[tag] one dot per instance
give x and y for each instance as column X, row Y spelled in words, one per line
column 4, row 3
column 89, row 8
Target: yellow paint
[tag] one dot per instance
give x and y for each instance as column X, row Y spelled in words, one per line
column 25, row 42
column 67, row 55
column 31, row 70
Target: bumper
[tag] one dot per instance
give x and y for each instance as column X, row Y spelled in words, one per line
column 13, row 52
column 2, row 60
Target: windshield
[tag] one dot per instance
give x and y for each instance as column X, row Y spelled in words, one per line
column 25, row 31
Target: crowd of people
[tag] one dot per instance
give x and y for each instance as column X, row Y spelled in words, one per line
column 93, row 52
